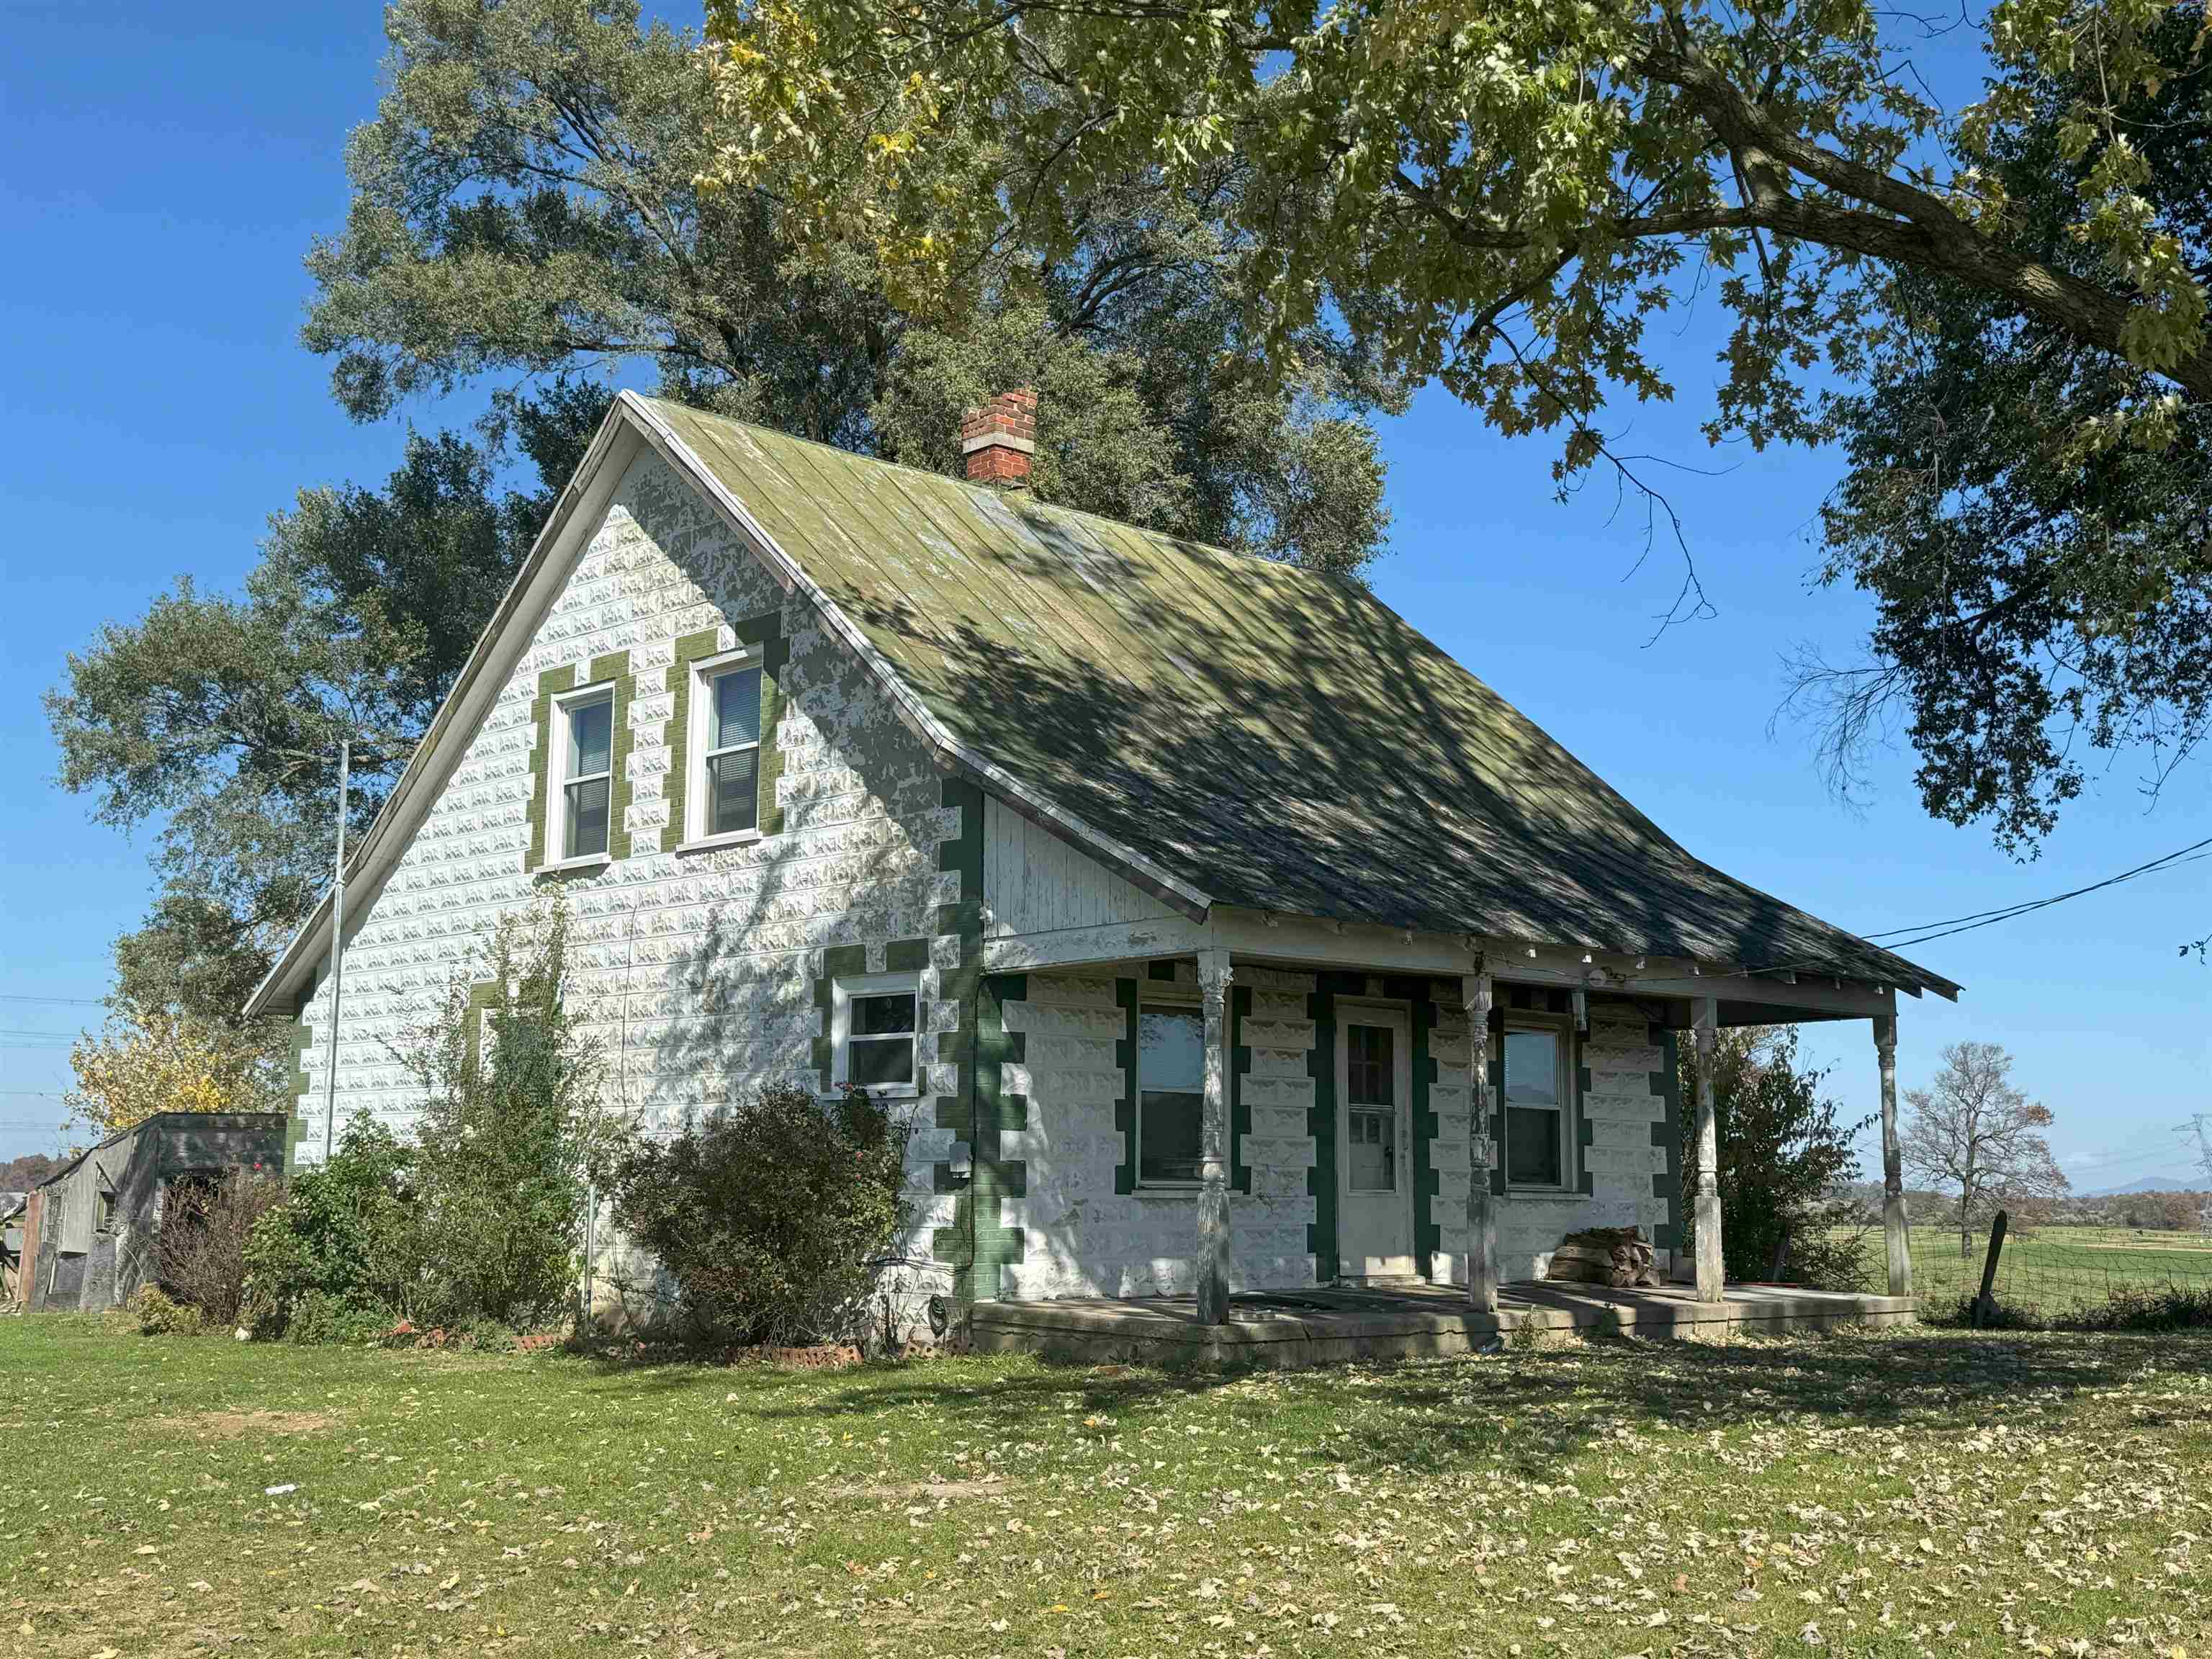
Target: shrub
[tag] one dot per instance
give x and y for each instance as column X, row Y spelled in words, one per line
column 343, row 1246
column 2164, row 1308
column 158, row 1314
column 199, row 1250
column 480, row 1218
column 770, row 1216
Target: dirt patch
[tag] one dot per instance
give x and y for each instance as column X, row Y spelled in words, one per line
column 236, row 1425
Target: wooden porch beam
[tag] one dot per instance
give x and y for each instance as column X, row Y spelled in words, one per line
column 1475, row 995
column 1897, row 1231
column 1710, row 1273
column 1214, row 975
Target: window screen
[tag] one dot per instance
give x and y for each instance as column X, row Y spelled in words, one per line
column 1535, row 1113
column 1171, row 1095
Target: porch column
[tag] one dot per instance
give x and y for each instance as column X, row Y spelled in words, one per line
column 1213, row 977
column 1709, row 1155
column 1897, row 1233
column 1482, row 1223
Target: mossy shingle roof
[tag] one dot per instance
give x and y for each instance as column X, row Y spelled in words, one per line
column 1273, row 739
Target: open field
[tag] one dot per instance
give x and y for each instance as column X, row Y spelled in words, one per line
column 1926, row 1492
column 2052, row 1270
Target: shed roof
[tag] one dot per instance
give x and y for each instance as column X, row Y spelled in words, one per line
column 1264, row 736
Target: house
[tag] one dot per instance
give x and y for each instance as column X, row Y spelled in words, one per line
column 88, row 1230
column 1224, row 933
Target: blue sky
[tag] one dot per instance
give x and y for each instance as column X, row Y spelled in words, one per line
column 160, row 180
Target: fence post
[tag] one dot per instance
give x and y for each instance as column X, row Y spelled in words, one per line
column 1985, row 1303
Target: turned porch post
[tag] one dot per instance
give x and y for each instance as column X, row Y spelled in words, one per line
column 1709, row 1156
column 1897, row 1233
column 1481, row 1222
column 1213, row 977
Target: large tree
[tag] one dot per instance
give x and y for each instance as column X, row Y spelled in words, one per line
column 1501, row 195
column 1974, row 1136
column 2042, row 594
column 527, row 200
column 219, row 716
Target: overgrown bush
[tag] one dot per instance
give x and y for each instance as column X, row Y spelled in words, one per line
column 161, row 1315
column 1786, row 1158
column 2161, row 1308
column 480, row 1217
column 770, row 1216
column 199, row 1250
column 341, row 1257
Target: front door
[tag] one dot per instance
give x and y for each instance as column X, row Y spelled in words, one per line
column 1374, row 1163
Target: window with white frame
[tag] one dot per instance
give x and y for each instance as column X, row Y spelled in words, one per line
column 1171, row 1095
column 876, row 1020
column 1537, row 1090
column 724, row 785
column 586, row 746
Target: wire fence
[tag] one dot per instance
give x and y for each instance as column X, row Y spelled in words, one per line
column 2066, row 1275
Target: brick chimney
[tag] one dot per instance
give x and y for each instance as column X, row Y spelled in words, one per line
column 999, row 438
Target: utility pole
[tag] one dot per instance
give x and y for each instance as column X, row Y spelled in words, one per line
column 2201, row 1127
column 338, row 953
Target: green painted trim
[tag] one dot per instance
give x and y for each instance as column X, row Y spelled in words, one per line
column 972, row 1246
column 1125, row 1108
column 1428, row 1234
column 610, row 670
column 484, row 996
column 1321, row 1236
column 906, row 955
column 1667, row 1083
column 838, row 962
column 1585, row 1131
column 766, row 632
column 1494, row 1069
column 1240, row 1067
column 303, row 1039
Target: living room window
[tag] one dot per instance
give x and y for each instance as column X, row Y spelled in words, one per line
column 1538, row 1087
column 1171, row 1095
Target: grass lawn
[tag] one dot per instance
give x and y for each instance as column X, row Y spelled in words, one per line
column 1944, row 1491
column 2053, row 1270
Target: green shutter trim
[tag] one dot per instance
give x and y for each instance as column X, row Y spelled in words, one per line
column 1428, row 1236
column 1667, row 1083
column 1585, row 1131
column 611, row 669
column 303, row 1038
column 974, row 1246
column 1494, row 1098
column 766, row 632
column 838, row 962
column 1240, row 1066
column 483, row 995
column 1321, row 1120
column 1125, row 1109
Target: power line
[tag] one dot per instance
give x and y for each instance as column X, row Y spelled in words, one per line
column 71, row 1002
column 1924, row 932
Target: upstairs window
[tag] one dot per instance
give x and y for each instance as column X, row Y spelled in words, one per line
column 586, row 752
column 1171, row 1096
column 1536, row 1096
column 724, row 789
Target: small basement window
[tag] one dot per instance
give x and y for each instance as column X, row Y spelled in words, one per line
column 586, row 746
column 1171, row 1096
column 876, row 1020
column 1537, row 1091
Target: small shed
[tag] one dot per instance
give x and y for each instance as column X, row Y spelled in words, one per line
column 88, row 1230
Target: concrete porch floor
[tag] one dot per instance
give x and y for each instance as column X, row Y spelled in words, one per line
column 1288, row 1329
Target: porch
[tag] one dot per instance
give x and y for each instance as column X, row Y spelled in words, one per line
column 1288, row 1329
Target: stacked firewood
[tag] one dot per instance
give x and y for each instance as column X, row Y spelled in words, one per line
column 1617, row 1256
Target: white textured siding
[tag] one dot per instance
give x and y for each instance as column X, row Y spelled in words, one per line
column 1036, row 883
column 697, row 971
